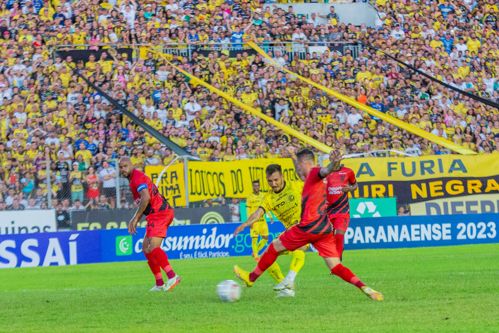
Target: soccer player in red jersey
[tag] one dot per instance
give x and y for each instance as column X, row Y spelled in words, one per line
column 159, row 215
column 314, row 226
column 339, row 183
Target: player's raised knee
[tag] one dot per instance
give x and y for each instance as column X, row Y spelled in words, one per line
column 278, row 245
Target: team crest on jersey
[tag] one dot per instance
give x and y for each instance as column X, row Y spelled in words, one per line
column 291, row 197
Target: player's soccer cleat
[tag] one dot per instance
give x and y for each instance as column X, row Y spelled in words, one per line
column 284, row 284
column 243, row 275
column 372, row 294
column 172, row 283
column 157, row 288
column 286, row 292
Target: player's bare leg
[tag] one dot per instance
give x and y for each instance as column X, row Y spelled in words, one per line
column 159, row 256
column 267, row 259
column 155, row 268
column 336, row 268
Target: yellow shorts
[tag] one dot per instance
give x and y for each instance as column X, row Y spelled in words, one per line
column 259, row 229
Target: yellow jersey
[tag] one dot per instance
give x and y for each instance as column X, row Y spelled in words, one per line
column 286, row 205
column 253, row 202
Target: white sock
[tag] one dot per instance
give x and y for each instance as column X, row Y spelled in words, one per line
column 291, row 276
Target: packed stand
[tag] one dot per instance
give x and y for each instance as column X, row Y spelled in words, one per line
column 49, row 115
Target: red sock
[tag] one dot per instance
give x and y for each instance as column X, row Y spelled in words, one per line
column 155, row 269
column 162, row 259
column 340, row 240
column 266, row 260
column 347, row 275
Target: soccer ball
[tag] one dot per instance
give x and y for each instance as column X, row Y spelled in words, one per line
column 228, row 291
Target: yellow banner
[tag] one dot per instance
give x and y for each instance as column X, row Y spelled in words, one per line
column 286, row 129
column 373, row 112
column 410, row 180
column 211, row 180
column 231, row 179
column 424, row 167
column 425, row 178
column 172, row 183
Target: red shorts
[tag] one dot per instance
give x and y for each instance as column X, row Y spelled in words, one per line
column 157, row 223
column 294, row 238
column 340, row 222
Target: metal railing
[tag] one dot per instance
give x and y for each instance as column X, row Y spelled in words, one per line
column 386, row 153
column 291, row 49
column 74, row 184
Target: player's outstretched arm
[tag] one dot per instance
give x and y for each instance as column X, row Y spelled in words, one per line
column 252, row 219
column 144, row 201
column 290, row 152
column 334, row 164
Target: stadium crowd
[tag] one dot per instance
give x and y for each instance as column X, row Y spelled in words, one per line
column 48, row 115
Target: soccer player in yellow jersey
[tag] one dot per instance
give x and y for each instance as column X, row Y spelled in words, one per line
column 259, row 228
column 285, row 202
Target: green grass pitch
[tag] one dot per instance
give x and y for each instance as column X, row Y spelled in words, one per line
column 446, row 289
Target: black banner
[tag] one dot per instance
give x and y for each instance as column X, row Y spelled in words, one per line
column 421, row 190
column 78, row 55
column 118, row 218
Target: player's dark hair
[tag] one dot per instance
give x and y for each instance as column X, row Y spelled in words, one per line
column 256, row 181
column 305, row 154
column 271, row 168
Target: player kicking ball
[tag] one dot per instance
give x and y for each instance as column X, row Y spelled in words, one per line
column 159, row 215
column 314, row 227
column 284, row 202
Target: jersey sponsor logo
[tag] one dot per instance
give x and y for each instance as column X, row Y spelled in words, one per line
column 335, row 190
column 279, row 205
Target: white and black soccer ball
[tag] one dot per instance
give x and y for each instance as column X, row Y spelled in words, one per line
column 229, row 291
